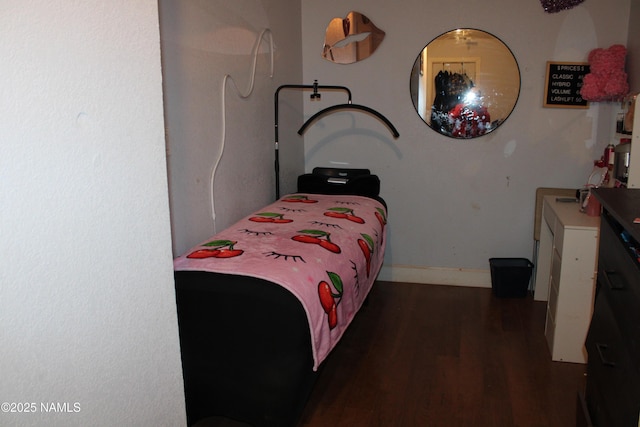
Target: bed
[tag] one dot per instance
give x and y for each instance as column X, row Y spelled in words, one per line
column 263, row 303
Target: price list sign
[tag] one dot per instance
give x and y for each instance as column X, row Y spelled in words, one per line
column 563, row 83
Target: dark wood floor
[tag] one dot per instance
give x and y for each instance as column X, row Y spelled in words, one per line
column 423, row 355
column 442, row 356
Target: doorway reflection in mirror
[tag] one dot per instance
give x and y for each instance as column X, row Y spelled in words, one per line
column 465, row 83
column 458, row 108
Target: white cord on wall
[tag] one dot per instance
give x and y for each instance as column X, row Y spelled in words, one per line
column 242, row 95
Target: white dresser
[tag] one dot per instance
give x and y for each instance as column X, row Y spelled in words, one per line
column 566, row 276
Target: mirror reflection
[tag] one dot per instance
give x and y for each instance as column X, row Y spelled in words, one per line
column 351, row 39
column 465, row 83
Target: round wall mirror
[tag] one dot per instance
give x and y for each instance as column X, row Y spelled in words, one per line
column 465, row 83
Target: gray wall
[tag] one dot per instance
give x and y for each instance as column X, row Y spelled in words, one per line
column 456, row 203
column 453, row 204
column 202, row 42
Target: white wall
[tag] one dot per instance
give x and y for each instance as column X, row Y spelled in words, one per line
column 456, row 203
column 87, row 306
column 202, row 41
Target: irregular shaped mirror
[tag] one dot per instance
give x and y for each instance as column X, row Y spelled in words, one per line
column 465, row 83
column 351, row 39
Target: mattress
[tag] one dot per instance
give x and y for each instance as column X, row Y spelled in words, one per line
column 326, row 250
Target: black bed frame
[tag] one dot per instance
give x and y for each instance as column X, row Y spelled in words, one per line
column 246, row 349
column 245, row 342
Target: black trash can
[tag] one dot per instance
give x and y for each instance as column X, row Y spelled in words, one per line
column 510, row 277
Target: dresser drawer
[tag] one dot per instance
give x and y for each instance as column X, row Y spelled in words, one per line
column 617, row 280
column 611, row 371
column 612, row 391
column 556, row 267
column 552, row 306
column 614, row 254
column 624, row 301
column 558, row 237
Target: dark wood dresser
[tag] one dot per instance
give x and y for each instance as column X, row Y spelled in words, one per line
column 612, row 393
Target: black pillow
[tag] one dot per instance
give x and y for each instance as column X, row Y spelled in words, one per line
column 358, row 182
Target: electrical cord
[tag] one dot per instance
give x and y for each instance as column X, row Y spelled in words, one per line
column 243, row 95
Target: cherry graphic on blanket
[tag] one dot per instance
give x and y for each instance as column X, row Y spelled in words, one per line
column 330, row 299
column 270, row 217
column 326, row 296
column 306, row 239
column 219, row 249
column 366, row 245
column 299, row 199
column 318, row 237
column 343, row 213
column 203, row 253
column 382, row 216
column 229, row 253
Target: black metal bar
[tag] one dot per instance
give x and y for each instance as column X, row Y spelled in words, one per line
column 315, row 86
column 366, row 109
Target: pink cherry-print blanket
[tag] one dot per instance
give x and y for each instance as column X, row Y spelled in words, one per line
column 325, row 249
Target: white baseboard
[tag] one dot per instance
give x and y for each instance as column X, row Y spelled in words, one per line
column 436, row 276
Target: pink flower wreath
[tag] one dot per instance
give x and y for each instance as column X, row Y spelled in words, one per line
column 607, row 80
